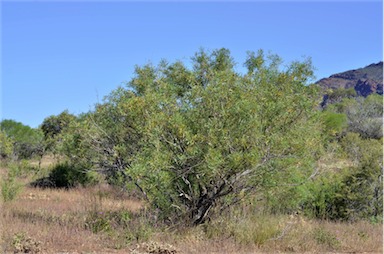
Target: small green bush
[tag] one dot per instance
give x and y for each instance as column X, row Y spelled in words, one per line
column 98, row 222
column 10, row 189
column 140, row 231
column 21, row 168
column 326, row 238
column 66, row 175
column 334, row 123
column 354, row 192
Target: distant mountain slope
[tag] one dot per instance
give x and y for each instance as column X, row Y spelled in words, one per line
column 365, row 80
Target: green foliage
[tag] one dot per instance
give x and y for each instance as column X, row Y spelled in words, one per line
column 354, row 192
column 52, row 128
column 67, row 175
column 26, row 142
column 97, row 222
column 17, row 131
column 363, row 195
column 10, row 188
column 192, row 140
column 189, row 146
column 197, row 140
column 6, row 146
column 340, row 94
column 54, row 125
column 283, row 199
column 326, row 238
column 139, row 231
column 323, row 199
column 364, row 115
column 335, row 124
column 20, row 169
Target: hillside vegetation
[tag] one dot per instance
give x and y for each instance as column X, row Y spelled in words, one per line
column 200, row 159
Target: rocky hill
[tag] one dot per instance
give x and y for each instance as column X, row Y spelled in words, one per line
column 365, row 81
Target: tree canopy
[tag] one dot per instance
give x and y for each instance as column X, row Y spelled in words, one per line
column 193, row 139
column 26, row 141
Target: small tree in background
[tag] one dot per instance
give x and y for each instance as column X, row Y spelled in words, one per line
column 53, row 126
column 6, row 146
column 26, row 141
column 364, row 115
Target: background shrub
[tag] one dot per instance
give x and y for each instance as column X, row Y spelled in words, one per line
column 66, row 175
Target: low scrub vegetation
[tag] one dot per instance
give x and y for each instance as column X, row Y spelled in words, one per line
column 98, row 219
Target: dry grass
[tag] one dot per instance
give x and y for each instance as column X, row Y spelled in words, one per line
column 57, row 217
column 45, row 162
column 282, row 234
column 87, row 220
column 62, row 201
column 323, row 236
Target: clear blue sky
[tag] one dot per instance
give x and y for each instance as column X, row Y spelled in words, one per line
column 69, row 55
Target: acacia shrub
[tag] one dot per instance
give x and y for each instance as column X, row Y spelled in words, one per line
column 226, row 133
column 197, row 140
